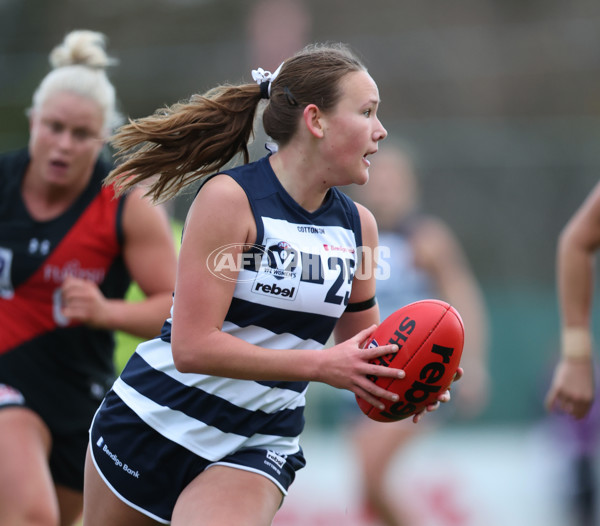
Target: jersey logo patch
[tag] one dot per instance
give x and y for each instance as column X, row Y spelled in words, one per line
column 280, row 271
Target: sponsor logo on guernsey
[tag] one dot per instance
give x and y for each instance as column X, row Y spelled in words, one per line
column 57, row 274
column 280, row 271
column 310, row 229
column 336, row 248
column 118, row 463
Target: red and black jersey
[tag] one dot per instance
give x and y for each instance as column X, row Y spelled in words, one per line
column 37, row 344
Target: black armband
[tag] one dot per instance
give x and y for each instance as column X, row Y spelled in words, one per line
column 361, row 305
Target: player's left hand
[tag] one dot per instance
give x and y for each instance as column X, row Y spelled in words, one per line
column 442, row 399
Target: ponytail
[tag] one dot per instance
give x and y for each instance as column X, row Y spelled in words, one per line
column 183, row 143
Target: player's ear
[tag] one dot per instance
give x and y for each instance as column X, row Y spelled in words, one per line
column 313, row 120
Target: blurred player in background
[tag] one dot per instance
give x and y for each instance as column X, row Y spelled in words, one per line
column 572, row 391
column 425, row 261
column 68, row 250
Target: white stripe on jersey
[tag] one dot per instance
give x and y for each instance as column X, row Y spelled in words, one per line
column 266, row 338
column 199, row 438
column 246, row 394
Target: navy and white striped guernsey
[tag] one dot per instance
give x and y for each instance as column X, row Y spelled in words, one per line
column 292, row 288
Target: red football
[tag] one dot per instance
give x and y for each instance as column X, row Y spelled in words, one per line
column 430, row 337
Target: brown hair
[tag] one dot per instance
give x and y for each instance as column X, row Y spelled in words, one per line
column 180, row 144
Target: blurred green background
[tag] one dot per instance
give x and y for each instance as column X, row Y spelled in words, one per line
column 500, row 99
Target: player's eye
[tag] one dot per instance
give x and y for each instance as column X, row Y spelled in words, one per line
column 55, row 126
column 82, row 134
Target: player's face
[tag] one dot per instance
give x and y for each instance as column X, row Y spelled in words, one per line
column 65, row 138
column 353, row 129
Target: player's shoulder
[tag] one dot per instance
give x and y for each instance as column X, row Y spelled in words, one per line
column 221, row 187
column 367, row 219
column 368, row 225
column 221, row 198
column 364, row 212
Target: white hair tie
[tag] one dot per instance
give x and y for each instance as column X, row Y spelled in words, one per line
column 264, row 79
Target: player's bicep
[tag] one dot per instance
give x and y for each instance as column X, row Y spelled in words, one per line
column 362, row 310
column 364, row 283
column 149, row 248
column 212, row 242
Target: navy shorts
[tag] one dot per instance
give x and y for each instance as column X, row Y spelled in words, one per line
column 148, row 471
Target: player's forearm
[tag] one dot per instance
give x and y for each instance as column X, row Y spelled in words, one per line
column 575, row 283
column 217, row 353
column 143, row 318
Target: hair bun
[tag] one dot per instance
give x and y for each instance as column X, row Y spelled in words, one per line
column 82, row 47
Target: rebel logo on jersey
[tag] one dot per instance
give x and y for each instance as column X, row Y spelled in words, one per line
column 280, row 271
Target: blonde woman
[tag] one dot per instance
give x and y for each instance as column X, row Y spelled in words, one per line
column 68, row 250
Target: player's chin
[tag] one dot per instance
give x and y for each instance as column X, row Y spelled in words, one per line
column 362, row 177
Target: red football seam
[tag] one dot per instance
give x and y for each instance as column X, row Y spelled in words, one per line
column 413, row 355
column 429, row 335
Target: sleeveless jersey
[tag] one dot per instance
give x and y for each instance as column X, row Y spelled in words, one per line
column 52, row 361
column 399, row 280
column 292, row 288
